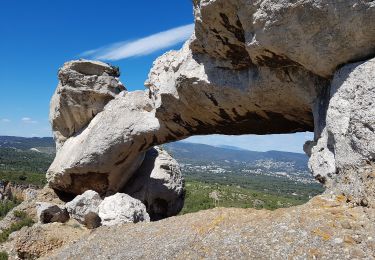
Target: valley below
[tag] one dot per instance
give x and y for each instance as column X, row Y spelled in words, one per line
column 214, row 176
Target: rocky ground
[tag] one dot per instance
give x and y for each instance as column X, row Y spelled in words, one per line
column 324, row 228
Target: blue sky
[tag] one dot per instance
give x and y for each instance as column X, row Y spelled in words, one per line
column 37, row 37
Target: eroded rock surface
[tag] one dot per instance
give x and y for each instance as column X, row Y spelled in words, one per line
column 250, row 68
column 121, row 208
column 325, row 228
column 344, row 155
column 158, row 183
column 85, row 87
column 84, row 204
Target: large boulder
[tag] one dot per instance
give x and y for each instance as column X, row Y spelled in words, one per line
column 84, row 89
column 344, row 155
column 121, row 208
column 82, row 207
column 158, row 183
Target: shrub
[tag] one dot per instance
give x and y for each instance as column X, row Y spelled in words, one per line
column 8, row 205
column 3, row 255
column 23, row 221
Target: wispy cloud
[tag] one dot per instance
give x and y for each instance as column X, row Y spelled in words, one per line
column 5, row 120
column 28, row 120
column 143, row 46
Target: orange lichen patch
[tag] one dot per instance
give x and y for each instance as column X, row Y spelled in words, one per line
column 341, row 198
column 324, row 235
column 214, row 223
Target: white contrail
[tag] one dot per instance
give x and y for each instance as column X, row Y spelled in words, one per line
column 143, row 46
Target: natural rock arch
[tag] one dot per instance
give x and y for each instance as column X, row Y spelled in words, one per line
column 250, row 68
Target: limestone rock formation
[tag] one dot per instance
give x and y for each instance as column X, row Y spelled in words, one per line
column 158, row 183
column 121, row 208
column 251, row 67
column 82, row 205
column 344, row 156
column 256, row 67
column 319, row 35
column 85, row 87
column 49, row 213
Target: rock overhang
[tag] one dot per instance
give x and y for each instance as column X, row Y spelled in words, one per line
column 250, row 68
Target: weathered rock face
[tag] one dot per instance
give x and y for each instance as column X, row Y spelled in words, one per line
column 85, row 87
column 121, row 208
column 318, row 35
column 345, row 153
column 252, row 67
column 84, row 205
column 158, row 183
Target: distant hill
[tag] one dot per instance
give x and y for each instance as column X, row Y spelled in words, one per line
column 231, row 147
column 205, row 153
column 285, row 174
column 186, row 152
column 25, row 143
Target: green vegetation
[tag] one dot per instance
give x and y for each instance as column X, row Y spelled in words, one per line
column 198, row 197
column 4, row 255
column 261, row 183
column 24, row 167
column 21, row 177
column 23, row 220
column 27, row 161
column 233, row 186
column 7, row 205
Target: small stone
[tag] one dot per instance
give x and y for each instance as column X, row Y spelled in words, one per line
column 364, row 202
column 84, row 204
column 48, row 213
column 121, row 208
column 92, row 220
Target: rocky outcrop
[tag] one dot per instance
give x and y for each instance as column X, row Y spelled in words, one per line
column 121, row 208
column 11, row 191
column 317, row 35
column 40, row 240
column 324, row 228
column 344, row 157
column 250, row 68
column 158, row 183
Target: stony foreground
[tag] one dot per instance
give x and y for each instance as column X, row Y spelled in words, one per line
column 322, row 229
